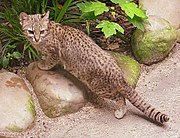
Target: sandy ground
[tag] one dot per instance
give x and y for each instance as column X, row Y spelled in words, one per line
column 159, row 85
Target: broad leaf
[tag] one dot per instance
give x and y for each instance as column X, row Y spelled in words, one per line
column 109, row 28
column 118, row 1
column 5, row 62
column 132, row 9
column 16, row 55
column 96, row 7
column 89, row 16
column 138, row 22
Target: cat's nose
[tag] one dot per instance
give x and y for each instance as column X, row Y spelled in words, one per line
column 37, row 38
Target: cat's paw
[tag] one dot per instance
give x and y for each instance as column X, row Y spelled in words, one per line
column 42, row 66
column 119, row 114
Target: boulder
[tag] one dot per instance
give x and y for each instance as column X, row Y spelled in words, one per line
column 166, row 9
column 155, row 42
column 57, row 94
column 16, row 106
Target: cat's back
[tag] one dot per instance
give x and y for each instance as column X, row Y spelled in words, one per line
column 77, row 41
column 85, row 56
column 80, row 44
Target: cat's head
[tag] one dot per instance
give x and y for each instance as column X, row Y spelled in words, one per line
column 35, row 27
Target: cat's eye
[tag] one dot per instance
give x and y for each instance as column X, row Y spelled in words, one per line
column 30, row 32
column 42, row 32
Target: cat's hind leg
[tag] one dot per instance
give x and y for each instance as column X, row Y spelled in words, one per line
column 116, row 103
column 118, row 106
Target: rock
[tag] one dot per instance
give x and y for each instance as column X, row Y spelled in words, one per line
column 129, row 66
column 155, row 42
column 57, row 95
column 16, row 106
column 178, row 33
column 166, row 9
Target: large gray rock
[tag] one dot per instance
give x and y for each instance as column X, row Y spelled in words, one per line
column 57, row 95
column 16, row 106
column 166, row 9
column 155, row 42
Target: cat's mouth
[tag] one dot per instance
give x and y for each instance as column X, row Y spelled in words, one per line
column 35, row 41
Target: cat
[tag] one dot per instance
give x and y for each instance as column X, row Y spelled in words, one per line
column 84, row 59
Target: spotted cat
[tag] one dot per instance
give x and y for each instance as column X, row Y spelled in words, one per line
column 85, row 60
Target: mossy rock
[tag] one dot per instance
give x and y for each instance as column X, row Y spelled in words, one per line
column 129, row 66
column 155, row 43
column 16, row 106
column 178, row 34
column 57, row 94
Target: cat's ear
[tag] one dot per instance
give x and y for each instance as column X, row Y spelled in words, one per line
column 46, row 15
column 22, row 17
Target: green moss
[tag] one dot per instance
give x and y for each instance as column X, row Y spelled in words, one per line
column 14, row 128
column 129, row 66
column 153, row 46
column 31, row 107
column 51, row 111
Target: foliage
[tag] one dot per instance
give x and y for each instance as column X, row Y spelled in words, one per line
column 10, row 55
column 91, row 10
column 14, row 45
column 96, row 7
column 62, row 14
column 131, row 9
column 11, row 33
column 109, row 28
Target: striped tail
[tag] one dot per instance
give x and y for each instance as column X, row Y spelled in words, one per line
column 146, row 108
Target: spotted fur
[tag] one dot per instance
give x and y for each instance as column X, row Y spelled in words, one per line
column 85, row 60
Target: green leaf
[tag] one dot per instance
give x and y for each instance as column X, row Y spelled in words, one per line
column 138, row 22
column 16, row 55
column 11, row 46
column 97, row 7
column 1, row 15
column 118, row 1
column 5, row 62
column 89, row 16
column 63, row 10
column 132, row 9
column 109, row 28
column 72, row 21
